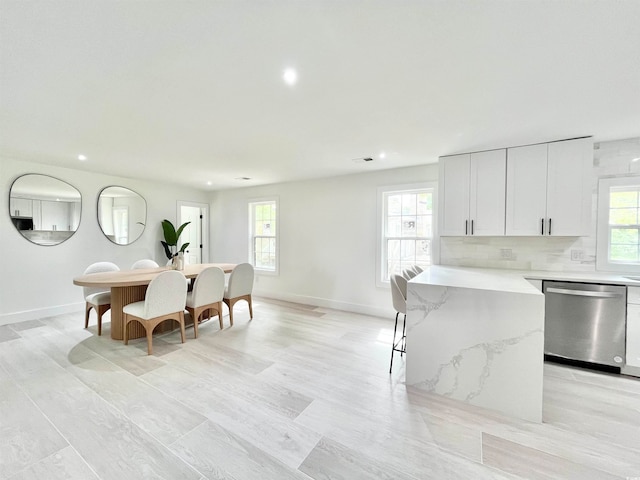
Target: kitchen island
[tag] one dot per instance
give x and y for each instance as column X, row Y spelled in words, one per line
column 477, row 337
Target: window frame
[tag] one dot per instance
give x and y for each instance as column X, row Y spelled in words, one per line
column 381, row 254
column 252, row 203
column 603, row 263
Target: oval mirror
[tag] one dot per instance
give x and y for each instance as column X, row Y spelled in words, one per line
column 122, row 214
column 44, row 209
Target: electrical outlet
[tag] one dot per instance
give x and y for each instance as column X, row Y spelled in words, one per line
column 506, row 253
column 577, row 255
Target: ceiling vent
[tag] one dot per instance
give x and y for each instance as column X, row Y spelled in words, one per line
column 363, row 160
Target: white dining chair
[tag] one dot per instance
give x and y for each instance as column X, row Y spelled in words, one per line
column 145, row 263
column 95, row 298
column 417, row 269
column 165, row 300
column 207, row 294
column 239, row 288
column 399, row 299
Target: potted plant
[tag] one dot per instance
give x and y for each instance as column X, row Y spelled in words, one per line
column 171, row 236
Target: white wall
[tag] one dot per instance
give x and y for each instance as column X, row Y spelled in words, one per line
column 327, row 234
column 36, row 281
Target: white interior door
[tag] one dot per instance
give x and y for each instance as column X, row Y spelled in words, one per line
column 192, row 233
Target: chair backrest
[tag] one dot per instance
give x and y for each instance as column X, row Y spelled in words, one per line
column 98, row 267
column 408, row 273
column 167, row 293
column 208, row 287
column 145, row 263
column 240, row 281
column 417, row 269
column 399, row 293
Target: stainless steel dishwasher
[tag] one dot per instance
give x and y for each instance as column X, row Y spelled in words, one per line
column 585, row 322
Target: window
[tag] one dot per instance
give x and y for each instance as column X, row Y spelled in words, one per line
column 121, row 224
column 619, row 224
column 407, row 224
column 263, row 220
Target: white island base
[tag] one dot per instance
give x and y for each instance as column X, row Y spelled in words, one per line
column 477, row 337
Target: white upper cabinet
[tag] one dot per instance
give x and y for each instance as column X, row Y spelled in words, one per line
column 454, row 194
column 569, row 187
column 20, row 207
column 526, row 190
column 549, row 189
column 472, row 194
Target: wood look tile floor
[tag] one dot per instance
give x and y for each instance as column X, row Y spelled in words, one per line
column 297, row 393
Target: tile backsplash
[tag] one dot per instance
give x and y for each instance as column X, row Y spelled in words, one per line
column 613, row 158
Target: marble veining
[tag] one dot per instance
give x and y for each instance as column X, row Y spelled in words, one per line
column 455, row 365
column 477, row 338
column 425, row 306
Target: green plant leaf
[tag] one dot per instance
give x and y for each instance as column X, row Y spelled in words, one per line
column 184, row 247
column 180, row 229
column 169, row 231
column 167, row 250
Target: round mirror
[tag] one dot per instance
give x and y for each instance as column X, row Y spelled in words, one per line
column 122, row 214
column 44, row 209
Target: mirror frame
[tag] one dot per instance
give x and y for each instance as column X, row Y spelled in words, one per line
column 100, row 223
column 20, row 231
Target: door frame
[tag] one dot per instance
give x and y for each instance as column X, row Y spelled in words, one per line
column 204, row 208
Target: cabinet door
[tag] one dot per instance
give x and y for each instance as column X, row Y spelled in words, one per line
column 569, row 185
column 526, row 190
column 487, row 192
column 633, row 335
column 454, row 195
column 55, row 215
column 20, row 207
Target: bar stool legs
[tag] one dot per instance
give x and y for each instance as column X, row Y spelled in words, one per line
column 400, row 345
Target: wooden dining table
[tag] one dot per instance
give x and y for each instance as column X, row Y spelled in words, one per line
column 128, row 286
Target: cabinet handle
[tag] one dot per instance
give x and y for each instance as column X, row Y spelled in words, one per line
column 466, row 227
column 471, row 227
column 542, row 226
column 549, row 226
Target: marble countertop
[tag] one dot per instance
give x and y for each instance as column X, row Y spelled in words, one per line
column 511, row 280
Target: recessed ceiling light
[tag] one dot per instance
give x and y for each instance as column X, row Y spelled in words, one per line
column 290, row 76
column 382, row 155
column 209, row 182
column 82, row 158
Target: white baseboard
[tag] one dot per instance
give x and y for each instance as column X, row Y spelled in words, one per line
column 38, row 313
column 328, row 303
column 389, row 313
column 629, row 370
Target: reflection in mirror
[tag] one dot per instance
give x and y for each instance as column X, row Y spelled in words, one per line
column 122, row 214
column 44, row 209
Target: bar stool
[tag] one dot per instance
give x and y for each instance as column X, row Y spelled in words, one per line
column 399, row 298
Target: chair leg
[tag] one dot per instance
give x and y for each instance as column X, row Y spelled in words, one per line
column 393, row 342
column 250, row 307
column 149, row 339
column 181, row 322
column 403, row 349
column 220, row 315
column 125, row 337
column 101, row 310
column 230, row 302
column 87, row 310
column 195, row 321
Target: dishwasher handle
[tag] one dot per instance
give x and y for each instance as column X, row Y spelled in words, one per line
column 583, row 293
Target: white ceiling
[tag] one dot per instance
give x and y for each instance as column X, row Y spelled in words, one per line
column 191, row 91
